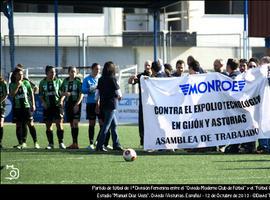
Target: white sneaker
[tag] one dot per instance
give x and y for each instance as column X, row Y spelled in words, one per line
column 150, row 150
column 49, row 147
column 17, row 146
column 222, row 149
column 91, row 147
column 24, row 145
column 36, row 145
column 109, row 147
column 62, row 146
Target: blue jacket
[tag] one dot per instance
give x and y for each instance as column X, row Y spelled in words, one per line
column 89, row 87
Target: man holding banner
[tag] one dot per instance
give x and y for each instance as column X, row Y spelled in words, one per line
column 134, row 79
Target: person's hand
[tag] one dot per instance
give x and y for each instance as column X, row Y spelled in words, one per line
column 33, row 108
column 92, row 88
column 61, row 103
column 131, row 79
column 19, row 83
column 119, row 98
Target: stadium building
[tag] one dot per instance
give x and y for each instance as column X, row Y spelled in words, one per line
column 205, row 29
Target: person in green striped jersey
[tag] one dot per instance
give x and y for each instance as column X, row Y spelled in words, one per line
column 72, row 91
column 3, row 96
column 23, row 106
column 24, row 126
column 52, row 101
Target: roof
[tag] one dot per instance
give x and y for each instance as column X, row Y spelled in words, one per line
column 154, row 4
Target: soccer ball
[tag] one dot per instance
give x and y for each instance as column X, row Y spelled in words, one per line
column 129, row 155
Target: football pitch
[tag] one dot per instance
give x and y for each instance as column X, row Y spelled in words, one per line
column 40, row 166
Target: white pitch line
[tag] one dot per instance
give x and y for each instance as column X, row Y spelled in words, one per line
column 184, row 181
column 40, row 159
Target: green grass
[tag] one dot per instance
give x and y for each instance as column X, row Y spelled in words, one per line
column 84, row 167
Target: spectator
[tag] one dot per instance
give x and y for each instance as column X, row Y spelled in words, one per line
column 232, row 65
column 156, row 70
column 168, row 69
column 134, row 80
column 191, row 59
column 248, row 147
column 194, row 67
column 252, row 64
column 180, row 66
column 254, row 59
column 243, row 65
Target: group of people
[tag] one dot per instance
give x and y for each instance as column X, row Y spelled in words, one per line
column 233, row 68
column 59, row 97
column 64, row 97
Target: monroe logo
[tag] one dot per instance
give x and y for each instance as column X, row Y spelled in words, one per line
column 214, row 85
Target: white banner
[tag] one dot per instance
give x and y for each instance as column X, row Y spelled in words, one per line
column 205, row 110
column 128, row 109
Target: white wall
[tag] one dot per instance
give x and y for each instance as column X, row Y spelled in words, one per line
column 119, row 55
column 39, row 57
column 68, row 23
column 217, row 24
column 205, row 55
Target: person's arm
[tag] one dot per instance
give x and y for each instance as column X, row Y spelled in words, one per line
column 31, row 94
column 117, row 89
column 80, row 98
column 97, row 97
column 87, row 88
column 42, row 95
column 134, row 79
column 13, row 91
column 5, row 94
column 33, row 86
column 119, row 94
column 80, row 93
column 62, row 92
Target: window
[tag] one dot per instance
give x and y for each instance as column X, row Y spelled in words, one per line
column 44, row 8
column 128, row 10
column 87, row 9
column 224, row 7
column 174, row 17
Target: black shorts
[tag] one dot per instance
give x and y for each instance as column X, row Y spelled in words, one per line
column 70, row 115
column 91, row 112
column 22, row 115
column 53, row 113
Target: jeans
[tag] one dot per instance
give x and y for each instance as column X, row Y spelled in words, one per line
column 264, row 144
column 110, row 122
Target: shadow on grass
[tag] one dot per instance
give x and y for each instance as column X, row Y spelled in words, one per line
column 246, row 168
column 264, row 160
column 84, row 151
column 140, row 152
